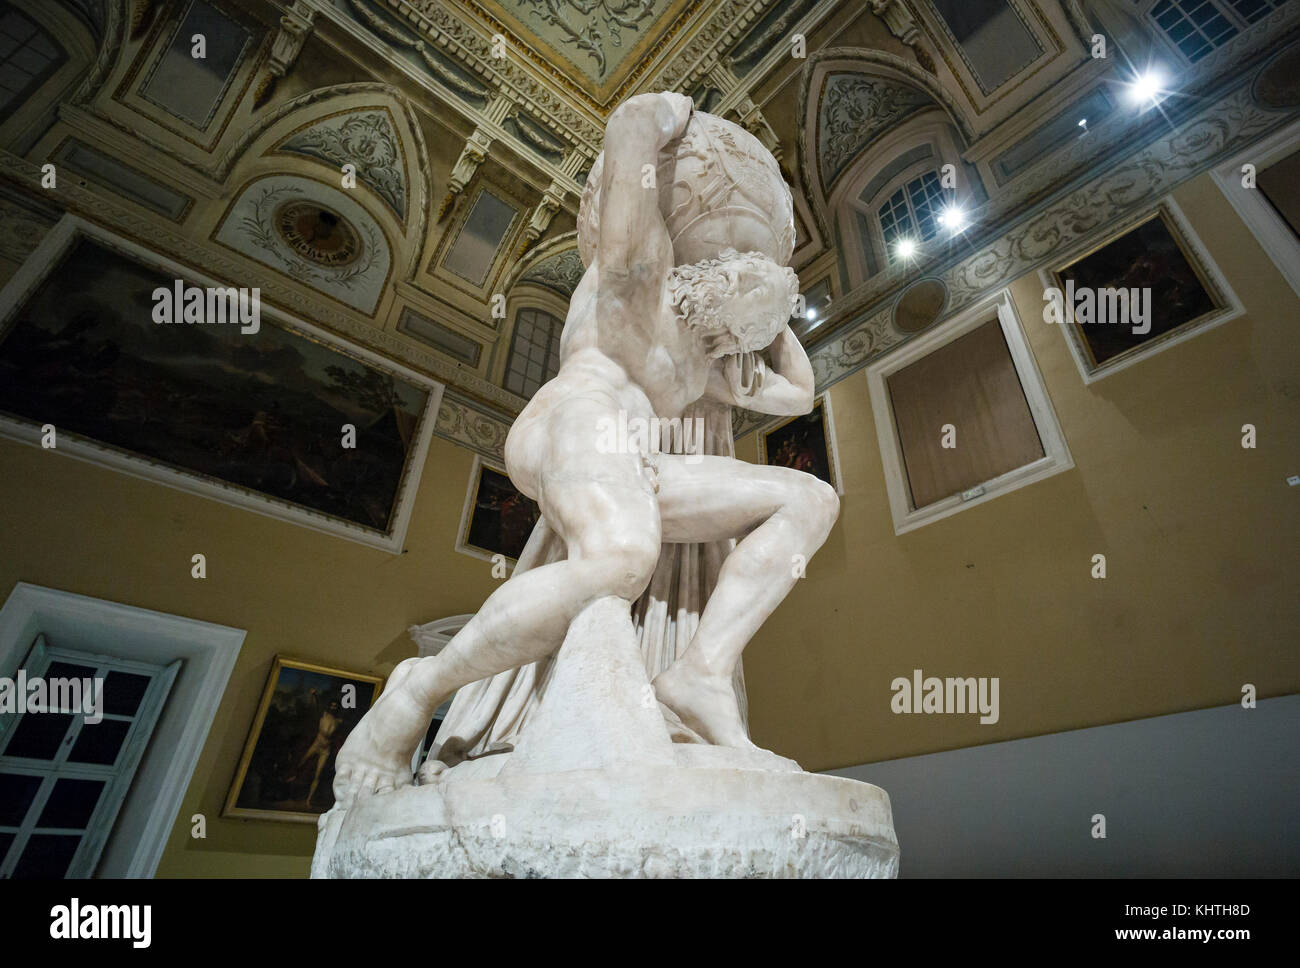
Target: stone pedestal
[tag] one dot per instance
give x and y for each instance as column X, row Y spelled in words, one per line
column 597, row 789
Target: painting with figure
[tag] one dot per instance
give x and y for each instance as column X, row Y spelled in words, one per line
column 260, row 411
column 306, row 713
column 803, row 443
column 501, row 518
column 1148, row 255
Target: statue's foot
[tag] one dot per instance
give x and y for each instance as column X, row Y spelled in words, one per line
column 705, row 703
column 376, row 757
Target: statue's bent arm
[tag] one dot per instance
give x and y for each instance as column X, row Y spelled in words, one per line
column 784, row 390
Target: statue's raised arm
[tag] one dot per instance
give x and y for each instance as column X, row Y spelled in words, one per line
column 636, row 251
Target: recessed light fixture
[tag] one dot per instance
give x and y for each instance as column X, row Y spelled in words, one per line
column 905, row 248
column 1148, row 87
column 953, row 218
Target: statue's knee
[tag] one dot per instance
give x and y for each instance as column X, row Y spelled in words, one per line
column 819, row 504
column 627, row 565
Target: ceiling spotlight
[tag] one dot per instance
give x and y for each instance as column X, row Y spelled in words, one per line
column 1147, row 88
column 812, row 313
column 953, row 219
column 905, row 248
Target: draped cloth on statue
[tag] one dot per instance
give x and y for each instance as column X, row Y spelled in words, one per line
column 490, row 715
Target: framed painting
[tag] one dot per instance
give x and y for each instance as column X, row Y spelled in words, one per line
column 275, row 416
column 806, row 443
column 287, row 770
column 1157, row 274
column 497, row 518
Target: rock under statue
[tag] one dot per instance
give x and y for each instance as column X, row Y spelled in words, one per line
column 599, row 725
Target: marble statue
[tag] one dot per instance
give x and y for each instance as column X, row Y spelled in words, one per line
column 606, row 669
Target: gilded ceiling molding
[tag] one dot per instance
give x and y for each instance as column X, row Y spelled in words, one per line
column 725, row 20
column 462, row 172
column 117, row 14
column 295, row 25
column 506, row 90
column 460, row 422
column 403, row 39
column 726, row 24
column 474, row 51
column 541, row 217
column 902, row 24
column 142, row 12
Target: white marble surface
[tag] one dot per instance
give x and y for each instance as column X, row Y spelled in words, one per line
column 625, row 750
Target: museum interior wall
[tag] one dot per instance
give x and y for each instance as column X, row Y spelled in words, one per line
column 470, row 190
column 1160, row 485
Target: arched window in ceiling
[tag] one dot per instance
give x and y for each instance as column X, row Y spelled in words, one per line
column 894, row 193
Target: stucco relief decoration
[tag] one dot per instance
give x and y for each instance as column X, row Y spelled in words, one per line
column 559, row 272
column 854, row 111
column 599, row 22
column 366, row 140
column 311, row 233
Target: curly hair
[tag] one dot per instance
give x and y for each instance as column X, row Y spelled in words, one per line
column 698, row 292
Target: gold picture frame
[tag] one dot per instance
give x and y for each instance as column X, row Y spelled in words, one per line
column 282, row 756
column 1176, row 263
column 818, row 452
column 500, row 525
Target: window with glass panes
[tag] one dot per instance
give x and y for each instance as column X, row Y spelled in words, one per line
column 534, row 351
column 912, row 212
column 63, row 773
column 27, row 57
column 1197, row 27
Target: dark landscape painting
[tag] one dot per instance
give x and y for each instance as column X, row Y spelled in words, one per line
column 1145, row 256
column 307, row 711
column 502, row 518
column 801, row 443
column 263, row 411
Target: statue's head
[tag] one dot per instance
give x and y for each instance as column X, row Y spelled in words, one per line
column 738, row 302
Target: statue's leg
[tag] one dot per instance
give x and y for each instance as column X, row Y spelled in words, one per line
column 782, row 516
column 605, row 509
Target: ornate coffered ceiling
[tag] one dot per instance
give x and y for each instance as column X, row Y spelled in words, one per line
column 435, row 108
column 598, row 47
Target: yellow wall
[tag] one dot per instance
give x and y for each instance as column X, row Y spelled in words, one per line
column 1199, row 536
column 71, row 525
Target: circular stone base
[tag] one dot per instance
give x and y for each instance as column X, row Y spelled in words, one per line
column 639, row 821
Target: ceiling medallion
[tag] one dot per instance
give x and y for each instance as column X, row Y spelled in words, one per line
column 317, row 233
